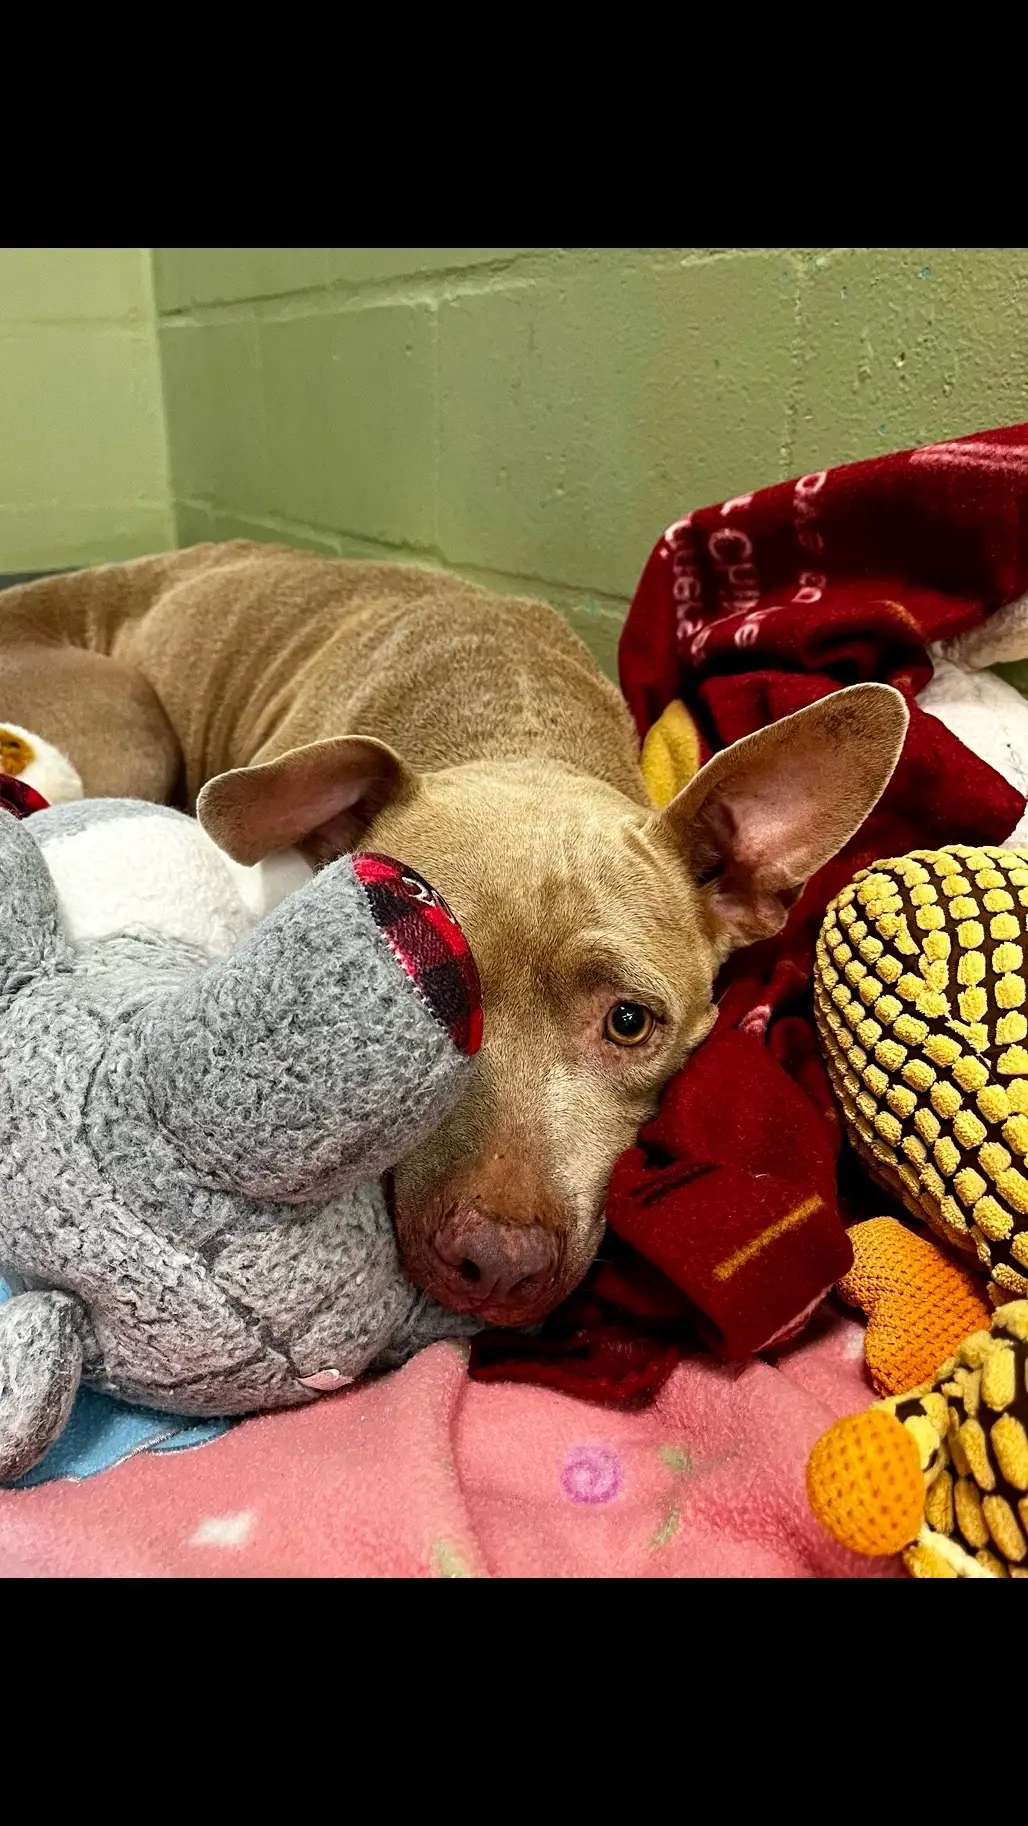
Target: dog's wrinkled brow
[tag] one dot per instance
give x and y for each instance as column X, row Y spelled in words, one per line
column 599, row 958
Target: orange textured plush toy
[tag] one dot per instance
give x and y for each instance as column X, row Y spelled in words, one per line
column 918, row 1301
column 940, row 1474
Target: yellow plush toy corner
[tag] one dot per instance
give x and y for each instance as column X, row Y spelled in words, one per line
column 670, row 754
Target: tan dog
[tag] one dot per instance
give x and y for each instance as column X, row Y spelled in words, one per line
column 279, row 690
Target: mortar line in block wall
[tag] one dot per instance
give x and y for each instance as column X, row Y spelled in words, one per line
column 609, row 605
column 436, row 459
column 132, row 326
column 800, row 270
column 331, row 294
column 282, row 528
column 154, row 340
column 439, row 285
column 86, row 504
column 332, row 302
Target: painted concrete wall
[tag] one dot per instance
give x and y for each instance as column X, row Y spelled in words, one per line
column 83, row 459
column 531, row 417
column 534, row 417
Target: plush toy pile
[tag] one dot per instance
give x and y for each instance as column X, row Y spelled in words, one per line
column 909, row 569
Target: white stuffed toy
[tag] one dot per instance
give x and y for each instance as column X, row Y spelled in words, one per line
column 26, row 757
column 984, row 711
column 121, row 866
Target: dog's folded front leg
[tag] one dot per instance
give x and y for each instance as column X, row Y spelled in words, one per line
column 40, row 1369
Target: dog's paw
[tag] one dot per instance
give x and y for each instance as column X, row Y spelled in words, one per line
column 25, row 756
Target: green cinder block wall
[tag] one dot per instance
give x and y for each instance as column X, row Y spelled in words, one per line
column 534, row 417
column 531, row 417
column 83, row 450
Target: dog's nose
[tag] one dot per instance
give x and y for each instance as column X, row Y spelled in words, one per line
column 488, row 1263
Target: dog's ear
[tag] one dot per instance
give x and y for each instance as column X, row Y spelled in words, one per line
column 764, row 815
column 321, row 798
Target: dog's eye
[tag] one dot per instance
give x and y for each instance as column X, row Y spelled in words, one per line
column 628, row 1024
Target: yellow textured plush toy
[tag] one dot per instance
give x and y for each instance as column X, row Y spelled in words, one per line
column 919, row 999
column 939, row 1474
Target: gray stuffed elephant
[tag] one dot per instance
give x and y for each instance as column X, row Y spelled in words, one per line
column 191, row 1216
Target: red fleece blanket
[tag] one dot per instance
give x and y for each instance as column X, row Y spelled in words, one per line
column 726, row 1220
